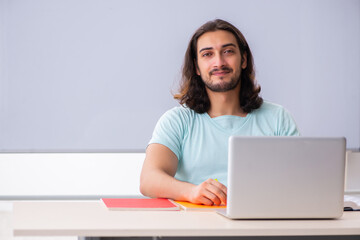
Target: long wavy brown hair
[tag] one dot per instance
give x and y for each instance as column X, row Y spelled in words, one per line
column 192, row 89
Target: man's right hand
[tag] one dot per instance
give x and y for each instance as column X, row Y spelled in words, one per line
column 157, row 180
column 209, row 192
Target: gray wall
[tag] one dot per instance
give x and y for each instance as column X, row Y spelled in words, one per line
column 96, row 75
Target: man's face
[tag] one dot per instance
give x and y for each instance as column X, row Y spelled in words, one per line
column 219, row 60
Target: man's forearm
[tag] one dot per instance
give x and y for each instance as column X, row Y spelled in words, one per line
column 161, row 185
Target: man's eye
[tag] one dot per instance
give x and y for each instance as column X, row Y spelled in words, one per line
column 206, row 55
column 229, row 51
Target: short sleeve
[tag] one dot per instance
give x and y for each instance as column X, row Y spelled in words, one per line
column 287, row 125
column 169, row 130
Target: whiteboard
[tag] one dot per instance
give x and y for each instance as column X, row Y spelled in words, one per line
column 69, row 175
column 91, row 75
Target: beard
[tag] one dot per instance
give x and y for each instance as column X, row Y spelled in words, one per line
column 222, row 86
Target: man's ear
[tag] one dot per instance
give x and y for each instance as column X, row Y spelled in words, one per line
column 244, row 60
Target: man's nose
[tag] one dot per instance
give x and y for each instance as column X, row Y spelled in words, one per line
column 219, row 61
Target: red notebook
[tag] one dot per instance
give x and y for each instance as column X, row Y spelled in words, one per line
column 139, row 204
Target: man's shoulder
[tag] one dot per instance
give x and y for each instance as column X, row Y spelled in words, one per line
column 182, row 113
column 180, row 110
column 269, row 108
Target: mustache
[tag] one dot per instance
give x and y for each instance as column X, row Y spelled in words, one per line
column 227, row 69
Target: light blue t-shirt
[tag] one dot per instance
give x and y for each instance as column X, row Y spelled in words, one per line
column 201, row 142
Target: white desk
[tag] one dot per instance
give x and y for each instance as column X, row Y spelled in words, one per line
column 91, row 218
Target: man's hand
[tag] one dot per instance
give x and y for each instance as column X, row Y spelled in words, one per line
column 157, row 180
column 210, row 192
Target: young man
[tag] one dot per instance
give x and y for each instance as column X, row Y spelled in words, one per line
column 219, row 98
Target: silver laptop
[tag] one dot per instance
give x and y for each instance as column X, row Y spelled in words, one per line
column 285, row 178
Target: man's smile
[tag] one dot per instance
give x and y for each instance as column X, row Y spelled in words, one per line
column 220, row 72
